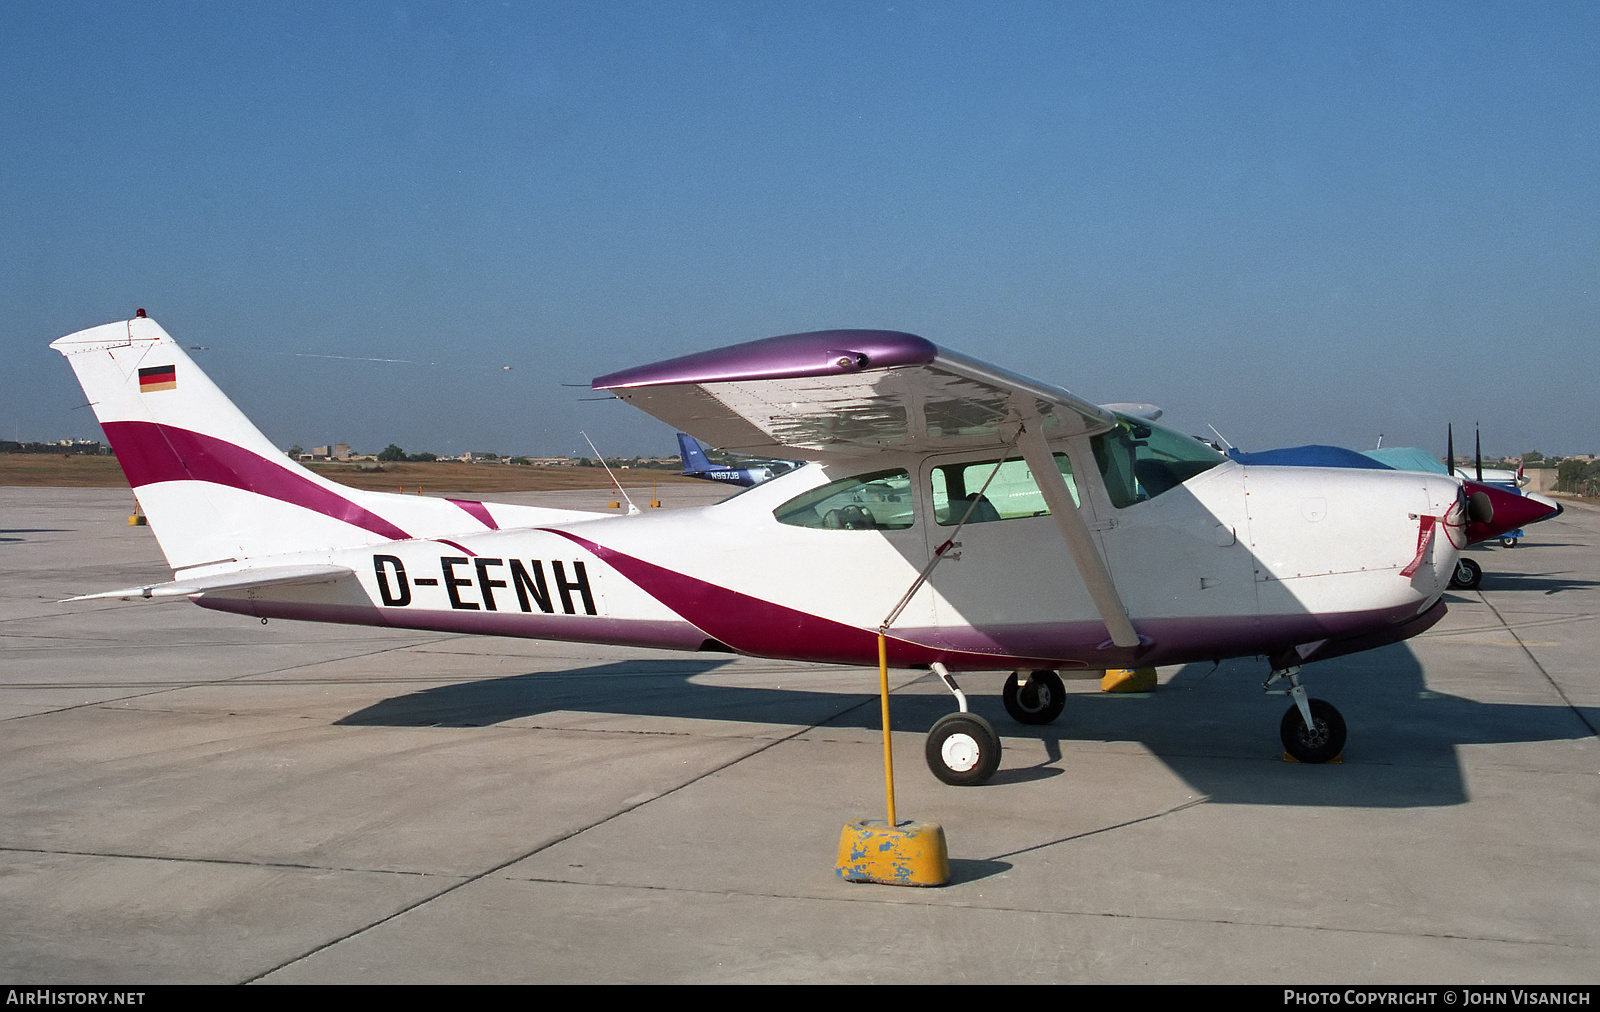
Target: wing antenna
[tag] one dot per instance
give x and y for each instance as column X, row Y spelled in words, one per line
column 632, row 509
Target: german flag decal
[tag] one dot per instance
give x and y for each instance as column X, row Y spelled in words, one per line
column 160, row 377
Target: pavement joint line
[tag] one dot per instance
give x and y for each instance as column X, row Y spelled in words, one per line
column 240, row 862
column 1508, row 626
column 87, row 705
column 1192, row 803
column 1577, row 711
column 909, row 899
column 230, row 680
column 487, row 872
column 245, row 681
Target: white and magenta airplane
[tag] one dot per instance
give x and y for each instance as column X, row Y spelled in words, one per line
column 1058, row 538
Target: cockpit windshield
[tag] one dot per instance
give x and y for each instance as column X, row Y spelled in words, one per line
column 1140, row 459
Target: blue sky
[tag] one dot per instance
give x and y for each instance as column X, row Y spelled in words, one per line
column 1295, row 222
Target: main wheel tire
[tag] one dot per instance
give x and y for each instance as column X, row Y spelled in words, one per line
column 1324, row 741
column 1467, row 576
column 1040, row 701
column 1508, row 542
column 963, row 749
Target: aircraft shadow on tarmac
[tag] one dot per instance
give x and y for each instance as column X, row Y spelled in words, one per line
column 1544, row 583
column 1211, row 725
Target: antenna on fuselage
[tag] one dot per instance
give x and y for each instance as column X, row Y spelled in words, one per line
column 1220, row 437
column 632, row 509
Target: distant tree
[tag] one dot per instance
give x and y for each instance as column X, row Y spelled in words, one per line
column 1531, row 456
column 391, row 453
column 422, row 458
column 1572, row 474
column 519, row 460
column 296, row 451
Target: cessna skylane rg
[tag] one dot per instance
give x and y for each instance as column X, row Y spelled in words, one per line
column 1056, row 538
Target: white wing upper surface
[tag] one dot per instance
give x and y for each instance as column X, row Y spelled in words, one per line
column 846, row 393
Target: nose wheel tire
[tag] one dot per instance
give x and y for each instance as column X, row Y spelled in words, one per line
column 1040, row 701
column 1467, row 576
column 963, row 749
column 1323, row 741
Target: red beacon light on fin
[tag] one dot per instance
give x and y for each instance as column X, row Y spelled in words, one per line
column 138, row 314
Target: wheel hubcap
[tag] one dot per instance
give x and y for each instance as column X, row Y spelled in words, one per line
column 960, row 752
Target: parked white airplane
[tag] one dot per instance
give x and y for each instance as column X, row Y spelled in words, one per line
column 1069, row 538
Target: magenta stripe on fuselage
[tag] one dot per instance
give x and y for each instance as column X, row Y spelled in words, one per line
column 478, row 510
column 753, row 626
column 150, row 452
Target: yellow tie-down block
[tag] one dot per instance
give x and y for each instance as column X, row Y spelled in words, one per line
column 1128, row 680
column 912, row 853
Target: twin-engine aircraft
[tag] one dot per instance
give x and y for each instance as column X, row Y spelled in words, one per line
column 1006, row 524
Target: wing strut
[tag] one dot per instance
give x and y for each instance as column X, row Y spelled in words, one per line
column 1091, row 567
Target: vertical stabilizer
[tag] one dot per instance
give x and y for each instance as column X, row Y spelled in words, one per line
column 214, row 488
column 694, row 457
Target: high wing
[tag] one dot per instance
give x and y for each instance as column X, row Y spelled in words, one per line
column 832, row 394
column 848, row 393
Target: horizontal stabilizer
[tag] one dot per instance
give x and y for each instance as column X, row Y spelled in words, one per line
column 271, row 576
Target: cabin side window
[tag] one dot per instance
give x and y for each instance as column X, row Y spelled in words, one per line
column 880, row 501
column 988, row 490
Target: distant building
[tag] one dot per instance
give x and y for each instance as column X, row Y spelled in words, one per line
column 63, row 446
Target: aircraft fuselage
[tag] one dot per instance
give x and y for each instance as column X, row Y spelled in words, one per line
column 1236, row 561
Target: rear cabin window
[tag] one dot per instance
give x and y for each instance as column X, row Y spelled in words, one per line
column 880, row 501
column 1010, row 495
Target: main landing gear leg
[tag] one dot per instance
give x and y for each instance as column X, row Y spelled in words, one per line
column 963, row 748
column 1034, row 697
column 1312, row 730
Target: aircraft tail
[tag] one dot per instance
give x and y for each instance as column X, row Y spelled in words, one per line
column 214, row 489
column 694, row 456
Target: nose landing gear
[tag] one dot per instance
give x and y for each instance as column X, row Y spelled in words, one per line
column 1467, row 576
column 1312, row 730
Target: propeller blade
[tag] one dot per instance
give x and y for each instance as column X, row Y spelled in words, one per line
column 1477, row 450
column 1450, row 448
